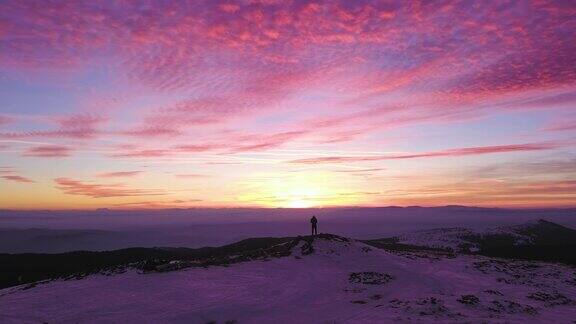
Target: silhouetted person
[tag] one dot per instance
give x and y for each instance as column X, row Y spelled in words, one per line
column 314, row 223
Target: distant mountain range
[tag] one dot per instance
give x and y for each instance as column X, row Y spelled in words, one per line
column 67, row 231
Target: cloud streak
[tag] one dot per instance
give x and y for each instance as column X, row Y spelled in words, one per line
column 9, row 174
column 16, row 178
column 528, row 147
column 96, row 190
column 120, row 174
column 49, row 151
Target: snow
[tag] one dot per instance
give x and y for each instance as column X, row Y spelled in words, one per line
column 443, row 238
column 463, row 239
column 311, row 288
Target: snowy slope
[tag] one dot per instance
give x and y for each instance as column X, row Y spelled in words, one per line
column 465, row 239
column 455, row 239
column 331, row 280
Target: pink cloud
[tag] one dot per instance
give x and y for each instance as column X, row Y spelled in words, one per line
column 222, row 163
column 562, row 125
column 545, row 166
column 337, row 159
column 490, row 192
column 444, row 153
column 84, row 123
column 229, row 7
column 564, row 98
column 483, row 150
column 120, row 174
column 230, row 143
column 153, row 132
column 16, row 178
column 361, row 170
column 191, row 175
column 256, row 143
column 548, row 187
column 494, row 51
column 176, row 203
column 76, row 31
column 95, row 190
column 80, row 126
column 9, row 174
column 523, row 71
column 142, row 153
column 5, row 120
column 198, row 148
column 50, row 151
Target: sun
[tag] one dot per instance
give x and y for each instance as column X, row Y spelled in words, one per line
column 302, row 190
column 300, row 203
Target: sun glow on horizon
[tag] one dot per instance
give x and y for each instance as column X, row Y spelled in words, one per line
column 303, row 190
column 300, row 203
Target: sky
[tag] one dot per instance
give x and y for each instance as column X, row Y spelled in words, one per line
column 265, row 103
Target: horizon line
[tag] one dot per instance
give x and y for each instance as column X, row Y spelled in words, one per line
column 112, row 209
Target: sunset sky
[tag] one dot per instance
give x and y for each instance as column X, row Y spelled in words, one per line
column 179, row 104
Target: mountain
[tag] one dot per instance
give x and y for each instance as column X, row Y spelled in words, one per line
column 322, row 279
column 31, row 267
column 535, row 240
column 543, row 232
column 67, row 231
column 459, row 239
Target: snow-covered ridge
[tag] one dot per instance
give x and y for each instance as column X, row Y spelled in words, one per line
column 455, row 238
column 323, row 279
column 471, row 240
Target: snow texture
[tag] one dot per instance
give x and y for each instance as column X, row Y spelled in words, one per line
column 327, row 280
column 468, row 240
